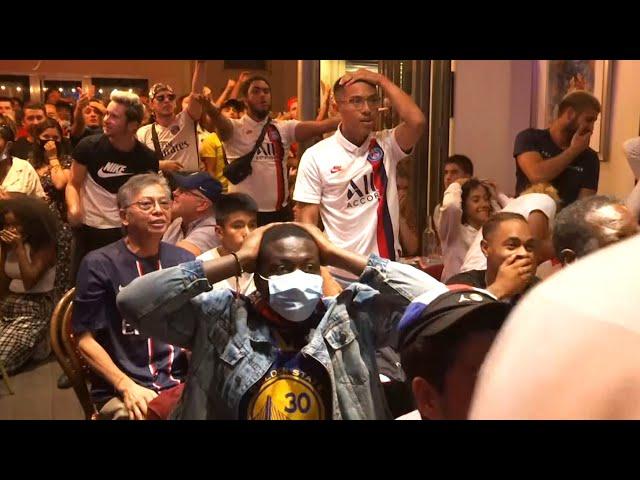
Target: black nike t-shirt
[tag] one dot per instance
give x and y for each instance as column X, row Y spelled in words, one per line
column 111, row 168
column 583, row 172
column 107, row 170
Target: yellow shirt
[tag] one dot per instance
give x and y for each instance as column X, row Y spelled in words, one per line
column 211, row 148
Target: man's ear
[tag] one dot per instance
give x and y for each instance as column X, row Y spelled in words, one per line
column 123, row 216
column 567, row 256
column 484, row 246
column 427, row 399
column 218, row 230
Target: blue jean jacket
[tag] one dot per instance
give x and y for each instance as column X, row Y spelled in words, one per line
column 232, row 346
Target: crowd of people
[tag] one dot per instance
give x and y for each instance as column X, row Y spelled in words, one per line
column 218, row 274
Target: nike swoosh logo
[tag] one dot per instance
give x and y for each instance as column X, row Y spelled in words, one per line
column 103, row 174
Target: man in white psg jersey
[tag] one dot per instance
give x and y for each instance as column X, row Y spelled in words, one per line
column 349, row 179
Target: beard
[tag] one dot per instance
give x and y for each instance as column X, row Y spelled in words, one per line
column 259, row 112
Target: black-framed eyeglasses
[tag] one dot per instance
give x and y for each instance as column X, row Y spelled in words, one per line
column 146, row 204
column 169, row 96
column 373, row 101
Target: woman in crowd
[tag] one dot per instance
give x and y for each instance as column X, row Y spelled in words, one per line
column 466, row 206
column 27, row 275
column 53, row 167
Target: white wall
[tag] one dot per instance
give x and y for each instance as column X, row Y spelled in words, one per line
column 615, row 175
column 492, row 103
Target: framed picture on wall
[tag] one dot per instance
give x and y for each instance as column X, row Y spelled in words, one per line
column 553, row 79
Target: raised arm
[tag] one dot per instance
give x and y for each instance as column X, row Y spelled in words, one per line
column 72, row 193
column 538, row 169
column 194, row 107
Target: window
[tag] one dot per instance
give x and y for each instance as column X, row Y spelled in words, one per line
column 15, row 86
column 104, row 86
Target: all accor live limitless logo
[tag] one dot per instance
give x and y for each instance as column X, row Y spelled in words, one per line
column 366, row 194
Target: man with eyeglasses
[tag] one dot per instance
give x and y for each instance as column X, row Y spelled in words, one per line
column 194, row 222
column 101, row 165
column 349, row 179
column 174, row 136
column 268, row 182
column 128, row 370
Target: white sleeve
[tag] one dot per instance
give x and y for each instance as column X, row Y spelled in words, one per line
column 308, row 188
column 632, row 151
column 35, row 185
column 450, row 214
column 388, row 138
column 288, row 131
column 545, row 204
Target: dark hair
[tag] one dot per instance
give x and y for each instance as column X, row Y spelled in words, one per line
column 278, row 232
column 463, row 162
column 233, row 103
column 580, row 101
column 34, row 106
column 232, row 203
column 6, row 99
column 60, row 105
column 7, row 129
column 574, row 230
column 430, row 357
column 48, row 92
column 338, row 88
column 496, row 219
column 244, row 89
column 33, row 214
column 38, row 154
column 19, row 100
column 467, row 188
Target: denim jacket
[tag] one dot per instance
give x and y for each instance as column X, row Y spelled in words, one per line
column 232, row 346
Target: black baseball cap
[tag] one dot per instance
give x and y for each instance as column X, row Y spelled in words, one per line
column 439, row 309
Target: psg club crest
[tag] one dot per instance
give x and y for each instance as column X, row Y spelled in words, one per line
column 174, row 129
column 273, row 134
column 375, row 154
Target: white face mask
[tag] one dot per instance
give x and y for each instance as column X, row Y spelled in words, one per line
column 294, row 295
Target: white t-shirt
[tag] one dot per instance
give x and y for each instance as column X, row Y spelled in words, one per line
column 268, row 183
column 23, row 178
column 571, row 347
column 12, row 271
column 524, row 205
column 201, row 233
column 455, row 237
column 178, row 142
column 246, row 279
column 339, row 176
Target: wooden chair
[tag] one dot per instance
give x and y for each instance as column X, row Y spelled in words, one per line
column 69, row 357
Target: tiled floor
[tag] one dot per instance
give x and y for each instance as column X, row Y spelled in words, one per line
column 36, row 396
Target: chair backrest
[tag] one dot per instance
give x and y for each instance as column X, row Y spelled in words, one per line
column 66, row 351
